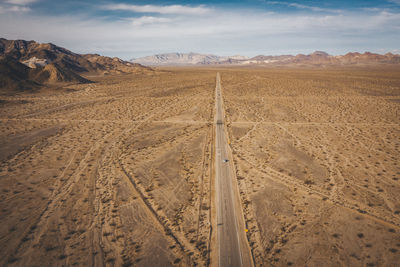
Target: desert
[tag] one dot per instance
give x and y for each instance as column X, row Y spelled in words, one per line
column 317, row 165
column 120, row 171
column 199, row 133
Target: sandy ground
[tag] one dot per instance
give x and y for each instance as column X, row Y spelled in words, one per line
column 111, row 173
column 316, row 153
column 118, row 173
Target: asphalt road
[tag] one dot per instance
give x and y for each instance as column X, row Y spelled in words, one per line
column 232, row 247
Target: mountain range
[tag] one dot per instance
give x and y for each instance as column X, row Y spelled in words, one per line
column 315, row 59
column 176, row 59
column 26, row 65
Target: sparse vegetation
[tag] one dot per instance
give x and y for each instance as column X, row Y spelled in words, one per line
column 312, row 135
column 126, row 163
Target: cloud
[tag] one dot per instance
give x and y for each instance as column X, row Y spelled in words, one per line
column 15, row 6
column 20, row 2
column 301, row 6
column 394, row 1
column 247, row 32
column 148, row 20
column 14, row 9
column 171, row 9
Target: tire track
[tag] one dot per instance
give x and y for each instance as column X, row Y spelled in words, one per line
column 344, row 203
column 155, row 216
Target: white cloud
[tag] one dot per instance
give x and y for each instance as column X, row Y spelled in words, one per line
column 301, row 6
column 230, row 32
column 20, row 2
column 395, row 1
column 14, row 9
column 171, row 9
column 148, row 20
column 15, row 6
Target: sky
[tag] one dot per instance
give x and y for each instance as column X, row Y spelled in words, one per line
column 131, row 29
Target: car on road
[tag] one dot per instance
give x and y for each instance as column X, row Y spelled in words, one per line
column 226, row 160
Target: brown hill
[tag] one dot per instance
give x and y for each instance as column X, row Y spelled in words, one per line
column 53, row 73
column 367, row 57
column 28, row 64
column 22, row 50
column 14, row 76
column 114, row 65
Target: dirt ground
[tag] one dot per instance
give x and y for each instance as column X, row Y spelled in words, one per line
column 111, row 173
column 316, row 155
column 119, row 172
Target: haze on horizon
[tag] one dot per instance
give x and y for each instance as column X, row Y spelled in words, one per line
column 139, row 28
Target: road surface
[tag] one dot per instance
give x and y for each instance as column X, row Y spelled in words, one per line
column 232, row 245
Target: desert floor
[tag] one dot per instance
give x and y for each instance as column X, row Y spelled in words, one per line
column 317, row 159
column 119, row 172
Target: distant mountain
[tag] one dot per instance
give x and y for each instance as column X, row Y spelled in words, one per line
column 176, row 59
column 318, row 58
column 315, row 59
column 28, row 64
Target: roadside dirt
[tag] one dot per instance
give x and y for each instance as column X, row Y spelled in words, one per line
column 115, row 173
column 317, row 164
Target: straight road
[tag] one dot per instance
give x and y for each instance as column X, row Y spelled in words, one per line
column 232, row 245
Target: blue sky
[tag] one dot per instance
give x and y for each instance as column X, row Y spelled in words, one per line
column 128, row 29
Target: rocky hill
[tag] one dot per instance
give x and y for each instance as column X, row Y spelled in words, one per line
column 28, row 64
column 15, row 76
column 108, row 65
